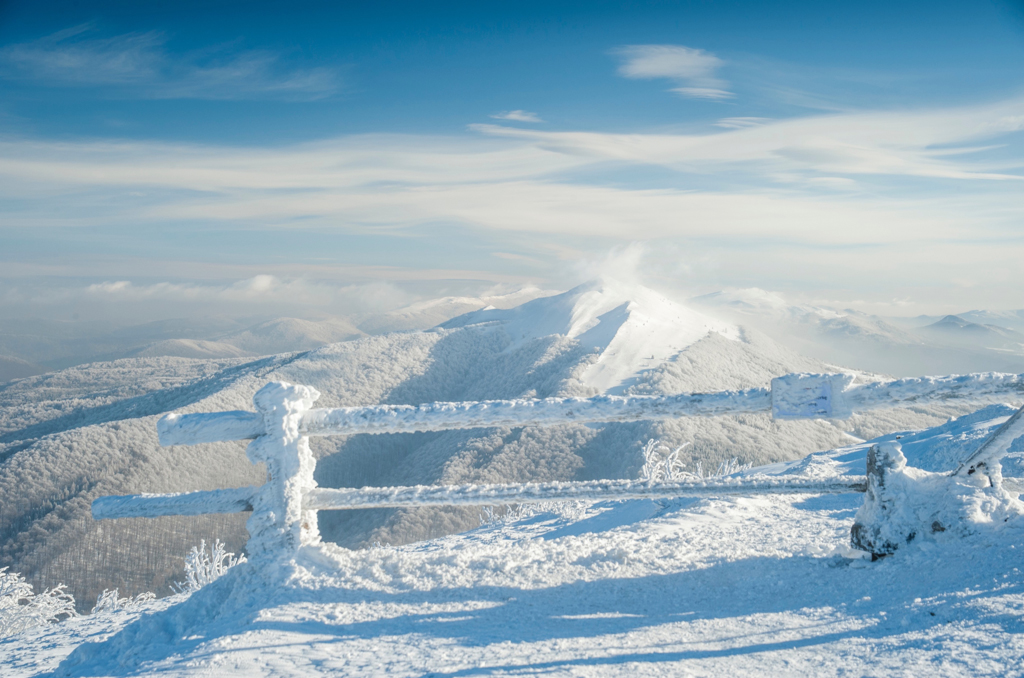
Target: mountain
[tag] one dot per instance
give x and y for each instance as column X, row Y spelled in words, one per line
column 433, row 312
column 70, row 436
column 629, row 327
column 1013, row 320
column 955, row 329
column 16, row 368
column 292, row 334
column 45, row 345
column 188, row 348
column 866, row 342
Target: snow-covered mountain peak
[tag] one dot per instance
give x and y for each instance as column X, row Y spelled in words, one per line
column 631, row 327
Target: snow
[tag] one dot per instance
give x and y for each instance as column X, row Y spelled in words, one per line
column 188, row 348
column 292, row 334
column 904, row 504
column 628, row 325
column 433, row 312
column 511, row 413
column 590, row 491
column 712, row 586
column 717, row 587
column 939, row 449
column 279, row 524
column 891, row 345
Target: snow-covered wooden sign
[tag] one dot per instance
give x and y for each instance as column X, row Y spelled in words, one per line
column 284, row 509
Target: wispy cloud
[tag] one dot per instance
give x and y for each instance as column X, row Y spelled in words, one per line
column 740, row 123
column 693, row 70
column 517, row 116
column 936, row 143
column 140, row 64
column 259, row 289
column 915, row 189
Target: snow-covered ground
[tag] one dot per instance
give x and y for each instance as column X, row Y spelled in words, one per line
column 714, row 587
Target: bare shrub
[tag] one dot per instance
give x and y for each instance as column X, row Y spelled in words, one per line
column 201, row 567
column 21, row 608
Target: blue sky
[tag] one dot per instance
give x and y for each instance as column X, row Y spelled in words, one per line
column 866, row 154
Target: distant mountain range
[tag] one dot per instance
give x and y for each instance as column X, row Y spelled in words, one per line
column 896, row 346
column 34, row 346
column 967, row 342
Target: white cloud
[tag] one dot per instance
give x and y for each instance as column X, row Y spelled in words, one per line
column 703, row 92
column 140, row 64
column 693, row 69
column 935, row 143
column 517, row 116
column 740, row 122
column 258, row 290
column 826, row 199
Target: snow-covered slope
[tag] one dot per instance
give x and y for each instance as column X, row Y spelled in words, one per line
column 714, row 587
column 68, row 437
column 1013, row 320
column 954, row 329
column 863, row 341
column 631, row 328
column 188, row 348
column 432, row 312
column 292, row 334
column 16, row 368
column 56, row 345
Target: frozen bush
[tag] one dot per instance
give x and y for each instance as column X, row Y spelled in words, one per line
column 21, row 608
column 570, row 510
column 108, row 601
column 662, row 464
column 201, row 567
column 511, row 514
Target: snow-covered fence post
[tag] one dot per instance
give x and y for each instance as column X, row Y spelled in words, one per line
column 279, row 525
column 873, row 527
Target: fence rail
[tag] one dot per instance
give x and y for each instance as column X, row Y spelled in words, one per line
column 284, row 509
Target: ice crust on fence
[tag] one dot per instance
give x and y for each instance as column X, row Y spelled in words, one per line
column 233, row 500
column 279, row 523
column 834, row 396
column 980, row 387
column 512, row 413
column 594, row 490
column 794, row 396
column 809, row 396
column 995, row 447
column 213, row 427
